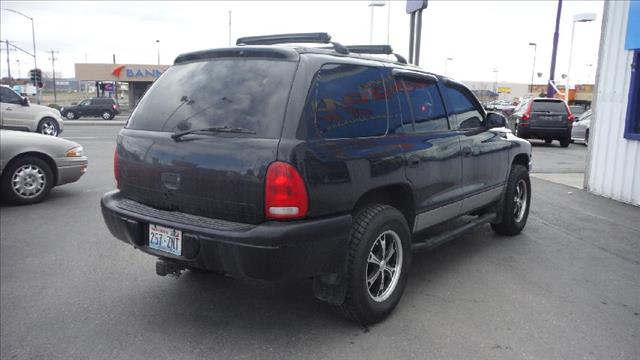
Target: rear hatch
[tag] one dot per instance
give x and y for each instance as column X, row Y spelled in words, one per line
column 219, row 172
column 549, row 114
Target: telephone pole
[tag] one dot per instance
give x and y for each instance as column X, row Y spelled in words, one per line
column 53, row 68
column 8, row 62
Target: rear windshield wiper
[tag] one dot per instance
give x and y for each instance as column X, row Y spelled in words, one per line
column 215, row 129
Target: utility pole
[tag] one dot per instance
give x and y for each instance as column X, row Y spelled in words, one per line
column 229, row 27
column 53, row 68
column 556, row 35
column 8, row 62
column 115, row 83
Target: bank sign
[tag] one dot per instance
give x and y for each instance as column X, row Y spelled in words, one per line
column 138, row 73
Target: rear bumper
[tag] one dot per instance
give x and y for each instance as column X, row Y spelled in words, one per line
column 268, row 251
column 544, row 133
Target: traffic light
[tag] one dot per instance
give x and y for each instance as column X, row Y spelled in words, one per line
column 38, row 78
column 32, row 76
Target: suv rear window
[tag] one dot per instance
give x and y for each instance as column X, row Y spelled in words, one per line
column 239, row 93
column 548, row 106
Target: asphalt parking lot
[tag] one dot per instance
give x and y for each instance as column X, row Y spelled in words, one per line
column 568, row 287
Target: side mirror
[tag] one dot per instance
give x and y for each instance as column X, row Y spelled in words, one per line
column 495, row 120
column 24, row 101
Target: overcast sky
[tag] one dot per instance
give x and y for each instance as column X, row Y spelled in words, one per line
column 480, row 36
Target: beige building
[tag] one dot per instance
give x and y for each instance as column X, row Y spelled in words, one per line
column 138, row 76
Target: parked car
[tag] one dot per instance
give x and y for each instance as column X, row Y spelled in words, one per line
column 16, row 113
column 275, row 162
column 543, row 118
column 580, row 131
column 31, row 164
column 106, row 108
column 577, row 110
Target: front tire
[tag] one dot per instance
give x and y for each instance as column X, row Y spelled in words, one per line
column 48, row 126
column 516, row 202
column 26, row 180
column 107, row 115
column 377, row 264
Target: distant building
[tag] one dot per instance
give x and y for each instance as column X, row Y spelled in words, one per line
column 613, row 161
column 501, row 90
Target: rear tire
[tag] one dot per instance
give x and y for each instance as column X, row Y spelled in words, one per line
column 27, row 180
column 564, row 142
column 516, row 202
column 379, row 255
column 71, row 115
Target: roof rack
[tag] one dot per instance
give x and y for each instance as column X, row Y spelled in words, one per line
column 315, row 38
column 376, row 49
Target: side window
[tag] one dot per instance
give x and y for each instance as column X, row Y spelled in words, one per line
column 8, row 96
column 425, row 104
column 85, row 103
column 464, row 113
column 349, row 101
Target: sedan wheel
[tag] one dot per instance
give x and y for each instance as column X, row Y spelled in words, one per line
column 70, row 115
column 26, row 180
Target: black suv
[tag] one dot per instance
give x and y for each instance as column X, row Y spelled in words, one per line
column 275, row 162
column 543, row 118
column 105, row 108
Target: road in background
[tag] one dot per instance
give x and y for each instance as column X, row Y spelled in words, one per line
column 568, row 287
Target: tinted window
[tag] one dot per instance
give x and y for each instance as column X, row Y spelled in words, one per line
column 348, row 101
column 548, row 106
column 243, row 93
column 465, row 114
column 9, row 96
column 425, row 104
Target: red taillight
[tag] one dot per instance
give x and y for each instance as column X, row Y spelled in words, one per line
column 115, row 168
column 285, row 195
column 527, row 114
column 115, row 106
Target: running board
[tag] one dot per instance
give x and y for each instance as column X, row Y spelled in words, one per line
column 441, row 238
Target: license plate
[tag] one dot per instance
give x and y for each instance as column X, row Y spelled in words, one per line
column 165, row 239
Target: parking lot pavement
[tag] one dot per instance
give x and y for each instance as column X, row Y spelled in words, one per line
column 559, row 165
column 568, row 287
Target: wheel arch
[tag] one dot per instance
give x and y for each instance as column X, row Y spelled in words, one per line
column 521, row 159
column 400, row 196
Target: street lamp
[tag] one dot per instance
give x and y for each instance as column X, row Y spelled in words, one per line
column 158, row 45
column 495, row 84
column 533, row 67
column 446, row 62
column 33, row 37
column 586, row 17
column 373, row 4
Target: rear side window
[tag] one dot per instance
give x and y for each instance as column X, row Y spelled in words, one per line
column 465, row 114
column 347, row 101
column 548, row 106
column 425, row 104
column 241, row 93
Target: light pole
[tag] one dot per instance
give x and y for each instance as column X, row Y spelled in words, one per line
column 33, row 37
column 586, row 17
column 446, row 62
column 533, row 67
column 158, row 45
column 373, row 4
column 495, row 84
column 53, row 71
column 18, row 62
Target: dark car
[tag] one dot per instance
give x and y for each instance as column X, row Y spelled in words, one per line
column 277, row 162
column 543, row 118
column 105, row 108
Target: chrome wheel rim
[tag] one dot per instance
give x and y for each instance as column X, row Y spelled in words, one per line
column 71, row 115
column 106, row 115
column 520, row 201
column 384, row 265
column 49, row 128
column 28, row 181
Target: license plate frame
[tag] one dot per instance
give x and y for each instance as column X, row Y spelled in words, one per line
column 165, row 239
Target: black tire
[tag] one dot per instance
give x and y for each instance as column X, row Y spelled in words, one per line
column 12, row 195
column 548, row 141
column 564, row 142
column 71, row 115
column 107, row 115
column 368, row 224
column 512, row 223
column 586, row 138
column 48, row 126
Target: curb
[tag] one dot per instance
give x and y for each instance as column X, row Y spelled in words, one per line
column 94, row 123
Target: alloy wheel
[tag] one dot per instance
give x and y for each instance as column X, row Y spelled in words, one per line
column 384, row 265
column 49, row 128
column 520, row 200
column 28, row 181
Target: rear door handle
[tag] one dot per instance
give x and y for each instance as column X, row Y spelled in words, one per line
column 466, row 151
column 413, row 161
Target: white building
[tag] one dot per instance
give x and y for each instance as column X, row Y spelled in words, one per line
column 613, row 162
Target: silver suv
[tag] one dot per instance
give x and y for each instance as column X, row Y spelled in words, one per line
column 16, row 113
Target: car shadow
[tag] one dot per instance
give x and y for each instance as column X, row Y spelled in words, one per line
column 213, row 303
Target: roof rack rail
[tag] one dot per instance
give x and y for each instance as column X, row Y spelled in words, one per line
column 376, row 49
column 314, row 38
